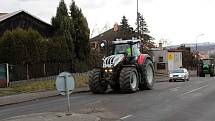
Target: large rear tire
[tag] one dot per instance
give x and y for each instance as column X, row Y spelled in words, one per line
column 202, row 75
column 95, row 84
column 148, row 76
column 211, row 74
column 128, row 80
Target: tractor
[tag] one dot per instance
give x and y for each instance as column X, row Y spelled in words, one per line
column 125, row 70
column 206, row 66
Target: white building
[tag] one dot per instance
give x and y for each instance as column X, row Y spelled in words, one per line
column 165, row 60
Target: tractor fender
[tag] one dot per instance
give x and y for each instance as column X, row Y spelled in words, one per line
column 130, row 66
column 142, row 58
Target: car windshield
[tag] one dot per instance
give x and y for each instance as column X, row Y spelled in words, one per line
column 177, row 71
column 121, row 48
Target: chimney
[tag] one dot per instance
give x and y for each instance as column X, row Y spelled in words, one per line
column 160, row 46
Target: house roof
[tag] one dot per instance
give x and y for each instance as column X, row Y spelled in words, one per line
column 125, row 41
column 5, row 16
column 103, row 35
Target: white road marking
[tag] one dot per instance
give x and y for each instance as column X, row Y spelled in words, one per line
column 128, row 116
column 194, row 90
column 174, row 89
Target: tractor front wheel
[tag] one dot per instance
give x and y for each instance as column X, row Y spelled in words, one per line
column 128, row 80
column 95, row 84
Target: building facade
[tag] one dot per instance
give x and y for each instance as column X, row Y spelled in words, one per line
column 23, row 19
column 165, row 60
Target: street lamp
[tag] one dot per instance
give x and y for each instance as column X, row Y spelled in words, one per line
column 197, row 39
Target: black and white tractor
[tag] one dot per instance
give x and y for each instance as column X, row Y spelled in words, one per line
column 126, row 70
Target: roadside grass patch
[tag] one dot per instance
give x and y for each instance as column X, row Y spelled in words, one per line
column 6, row 91
column 81, row 80
column 34, row 86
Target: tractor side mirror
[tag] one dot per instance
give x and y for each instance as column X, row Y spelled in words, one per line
column 102, row 45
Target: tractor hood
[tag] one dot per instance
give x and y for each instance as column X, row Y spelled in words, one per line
column 113, row 60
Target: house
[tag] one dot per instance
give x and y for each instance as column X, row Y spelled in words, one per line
column 111, row 35
column 23, row 19
column 159, row 58
column 203, row 55
column 165, row 60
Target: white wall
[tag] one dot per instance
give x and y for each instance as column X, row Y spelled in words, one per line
column 174, row 60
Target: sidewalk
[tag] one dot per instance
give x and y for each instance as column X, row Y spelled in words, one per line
column 55, row 117
column 13, row 99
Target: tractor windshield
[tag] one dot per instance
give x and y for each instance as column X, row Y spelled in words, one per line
column 122, row 49
column 207, row 62
column 126, row 49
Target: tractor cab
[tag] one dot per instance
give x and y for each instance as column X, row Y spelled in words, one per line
column 130, row 48
column 206, row 66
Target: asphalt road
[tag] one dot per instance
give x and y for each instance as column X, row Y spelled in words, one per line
column 175, row 101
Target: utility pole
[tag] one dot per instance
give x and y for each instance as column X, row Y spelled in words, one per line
column 138, row 26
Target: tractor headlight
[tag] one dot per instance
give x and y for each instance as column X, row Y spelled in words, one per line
column 108, row 70
column 111, row 70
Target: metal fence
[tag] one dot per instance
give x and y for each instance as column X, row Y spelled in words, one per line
column 48, row 78
column 31, row 71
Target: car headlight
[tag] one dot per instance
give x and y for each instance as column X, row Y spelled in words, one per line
column 182, row 75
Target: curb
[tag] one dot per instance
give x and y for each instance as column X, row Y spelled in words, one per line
column 25, row 97
column 54, row 116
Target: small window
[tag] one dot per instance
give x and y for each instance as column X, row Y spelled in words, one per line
column 161, row 65
column 93, row 45
column 160, row 59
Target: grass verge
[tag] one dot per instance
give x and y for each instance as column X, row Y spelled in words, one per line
column 81, row 80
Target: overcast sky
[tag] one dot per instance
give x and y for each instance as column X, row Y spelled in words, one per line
column 178, row 21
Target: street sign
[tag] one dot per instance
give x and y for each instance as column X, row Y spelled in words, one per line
column 170, row 56
column 65, row 84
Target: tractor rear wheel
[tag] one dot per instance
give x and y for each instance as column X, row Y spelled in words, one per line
column 148, row 76
column 95, row 84
column 211, row 73
column 202, row 75
column 128, row 80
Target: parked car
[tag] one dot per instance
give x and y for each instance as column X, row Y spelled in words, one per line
column 179, row 74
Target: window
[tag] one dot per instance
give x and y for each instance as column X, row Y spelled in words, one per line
column 161, row 65
column 136, row 50
column 160, row 59
column 93, row 45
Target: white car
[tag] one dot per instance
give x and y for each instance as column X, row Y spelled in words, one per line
column 179, row 74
